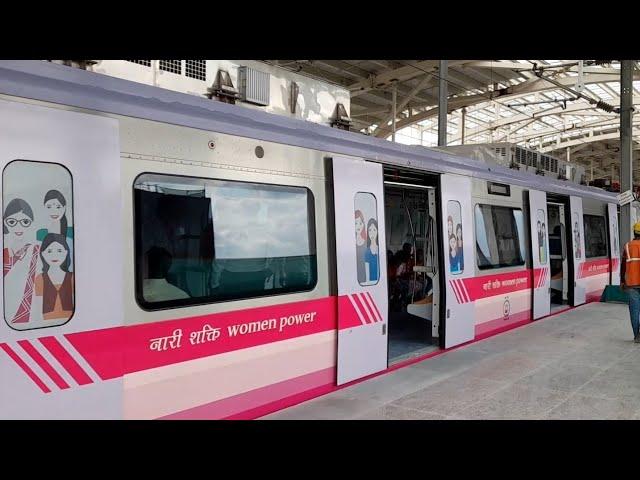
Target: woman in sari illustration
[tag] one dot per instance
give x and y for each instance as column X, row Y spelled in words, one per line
column 19, row 261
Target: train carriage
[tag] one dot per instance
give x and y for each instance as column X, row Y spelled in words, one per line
column 167, row 256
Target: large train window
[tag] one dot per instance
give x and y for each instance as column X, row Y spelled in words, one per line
column 499, row 236
column 595, row 236
column 37, row 253
column 203, row 240
column 367, row 241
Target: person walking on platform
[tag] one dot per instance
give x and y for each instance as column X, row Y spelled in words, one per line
column 630, row 279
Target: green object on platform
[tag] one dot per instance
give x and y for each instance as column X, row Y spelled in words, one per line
column 614, row 294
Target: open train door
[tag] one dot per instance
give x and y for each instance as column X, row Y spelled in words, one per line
column 577, row 247
column 361, row 271
column 614, row 250
column 460, row 309
column 540, row 253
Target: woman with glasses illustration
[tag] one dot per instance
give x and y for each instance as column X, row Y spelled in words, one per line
column 19, row 260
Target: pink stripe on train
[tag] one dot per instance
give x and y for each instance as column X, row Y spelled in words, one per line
column 260, row 401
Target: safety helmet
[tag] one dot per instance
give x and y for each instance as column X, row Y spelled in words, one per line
column 636, row 228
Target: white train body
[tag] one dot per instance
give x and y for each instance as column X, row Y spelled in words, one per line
column 276, row 307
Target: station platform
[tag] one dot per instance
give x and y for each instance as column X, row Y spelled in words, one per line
column 579, row 364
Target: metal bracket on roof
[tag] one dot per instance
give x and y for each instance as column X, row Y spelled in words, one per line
column 340, row 119
column 223, row 88
column 293, row 101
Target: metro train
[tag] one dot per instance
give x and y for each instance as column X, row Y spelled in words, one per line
column 168, row 256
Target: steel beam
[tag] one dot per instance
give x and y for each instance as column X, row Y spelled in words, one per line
column 442, row 104
column 626, row 142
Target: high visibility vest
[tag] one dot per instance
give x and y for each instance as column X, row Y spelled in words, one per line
column 632, row 267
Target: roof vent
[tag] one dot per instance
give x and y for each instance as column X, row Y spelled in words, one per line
column 223, row 88
column 254, row 86
column 340, row 119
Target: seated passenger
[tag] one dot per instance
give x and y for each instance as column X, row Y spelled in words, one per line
column 405, row 261
column 156, row 288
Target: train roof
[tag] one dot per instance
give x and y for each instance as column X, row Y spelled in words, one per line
column 49, row 82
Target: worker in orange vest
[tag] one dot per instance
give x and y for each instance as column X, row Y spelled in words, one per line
column 630, row 279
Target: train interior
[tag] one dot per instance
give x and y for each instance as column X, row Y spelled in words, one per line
column 558, row 256
column 412, row 263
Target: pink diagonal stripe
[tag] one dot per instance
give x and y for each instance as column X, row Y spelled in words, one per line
column 465, row 293
column 365, row 300
column 30, row 373
column 366, row 307
column 375, row 307
column 362, row 308
column 356, row 309
column 455, row 290
column 43, row 364
column 66, row 360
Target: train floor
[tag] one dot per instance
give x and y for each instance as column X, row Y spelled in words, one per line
column 409, row 337
column 579, row 364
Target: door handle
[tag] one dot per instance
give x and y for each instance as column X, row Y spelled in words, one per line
column 384, row 329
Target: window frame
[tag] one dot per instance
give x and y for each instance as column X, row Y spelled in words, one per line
column 523, row 254
column 200, row 301
column 606, row 235
column 73, row 253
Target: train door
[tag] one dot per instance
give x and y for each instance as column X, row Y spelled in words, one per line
column 539, row 224
column 360, row 265
column 577, row 250
column 456, row 211
column 60, row 336
column 614, row 242
column 411, row 211
column 558, row 261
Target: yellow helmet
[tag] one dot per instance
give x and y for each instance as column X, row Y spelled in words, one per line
column 636, row 228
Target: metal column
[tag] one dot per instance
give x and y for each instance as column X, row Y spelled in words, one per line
column 626, row 167
column 462, row 125
column 442, row 105
column 394, row 113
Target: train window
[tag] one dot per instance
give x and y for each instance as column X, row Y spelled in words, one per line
column 203, row 240
column 37, row 254
column 454, row 237
column 595, row 236
column 367, row 240
column 499, row 236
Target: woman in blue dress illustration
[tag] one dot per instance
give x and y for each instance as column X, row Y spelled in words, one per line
column 454, row 256
column 459, row 247
column 372, row 253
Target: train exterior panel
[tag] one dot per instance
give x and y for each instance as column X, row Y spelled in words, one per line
column 246, row 203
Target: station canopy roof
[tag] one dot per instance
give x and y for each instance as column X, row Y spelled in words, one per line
column 548, row 105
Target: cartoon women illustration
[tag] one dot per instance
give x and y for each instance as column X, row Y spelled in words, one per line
column 449, row 225
column 361, row 246
column 371, row 254
column 543, row 244
column 56, row 207
column 459, row 246
column 19, row 261
column 539, row 234
column 576, row 239
column 454, row 258
column 55, row 283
